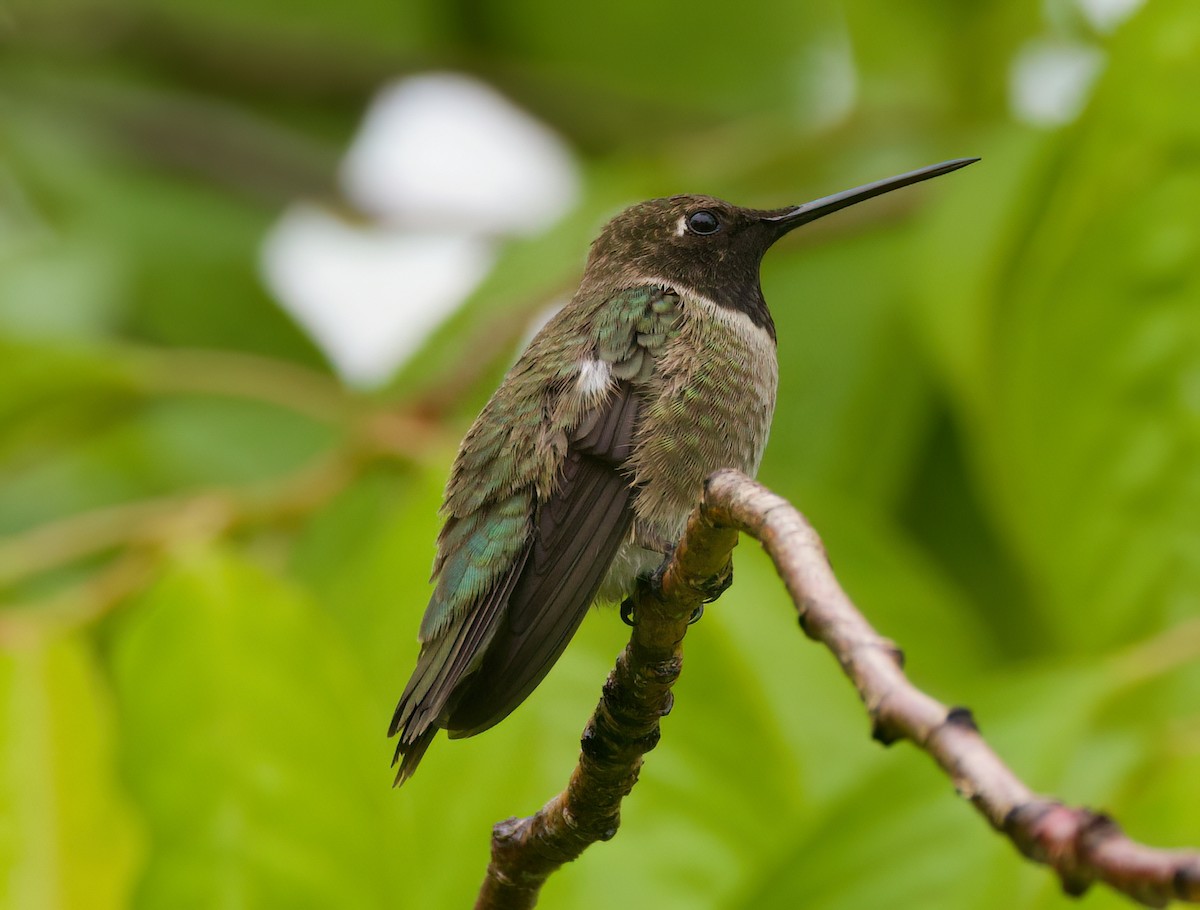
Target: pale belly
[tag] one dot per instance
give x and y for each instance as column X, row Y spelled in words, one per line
column 711, row 412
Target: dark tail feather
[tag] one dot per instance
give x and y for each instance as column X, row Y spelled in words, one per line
column 410, row 752
column 551, row 597
column 579, row 529
column 442, row 666
column 472, row 673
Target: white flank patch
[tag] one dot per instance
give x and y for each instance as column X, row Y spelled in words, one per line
column 594, row 377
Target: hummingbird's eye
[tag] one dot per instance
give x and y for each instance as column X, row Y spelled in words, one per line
column 703, row 222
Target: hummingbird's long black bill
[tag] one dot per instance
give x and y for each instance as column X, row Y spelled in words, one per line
column 826, row 205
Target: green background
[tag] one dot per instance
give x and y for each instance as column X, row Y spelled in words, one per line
column 213, row 557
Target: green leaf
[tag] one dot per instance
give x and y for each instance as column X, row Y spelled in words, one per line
column 67, row 836
column 848, row 370
column 164, row 446
column 53, row 286
column 937, row 56
column 760, row 50
column 178, row 253
column 367, row 557
column 249, row 745
column 898, row 835
column 1074, row 343
column 309, row 35
column 900, row 838
column 50, row 394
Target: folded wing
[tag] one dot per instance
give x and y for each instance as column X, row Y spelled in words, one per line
column 484, row 663
column 577, row 533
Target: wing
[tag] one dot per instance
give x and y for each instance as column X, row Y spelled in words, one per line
column 533, row 525
column 547, row 592
column 576, row 536
column 441, row 666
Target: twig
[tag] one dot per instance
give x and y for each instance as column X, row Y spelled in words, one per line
column 61, row 542
column 304, row 390
column 79, row 604
column 1080, row 845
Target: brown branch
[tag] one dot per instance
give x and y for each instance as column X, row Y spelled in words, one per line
column 1082, row 846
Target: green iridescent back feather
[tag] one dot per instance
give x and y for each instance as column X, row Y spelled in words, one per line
column 514, row 450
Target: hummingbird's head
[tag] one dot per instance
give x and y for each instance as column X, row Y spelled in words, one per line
column 712, row 248
column 697, row 244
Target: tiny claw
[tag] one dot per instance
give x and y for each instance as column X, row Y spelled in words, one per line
column 655, row 579
column 696, row 614
column 627, row 612
column 718, row 584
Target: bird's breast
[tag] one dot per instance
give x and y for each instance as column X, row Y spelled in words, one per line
column 711, row 408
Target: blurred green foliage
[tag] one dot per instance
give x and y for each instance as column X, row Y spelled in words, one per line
column 214, row 557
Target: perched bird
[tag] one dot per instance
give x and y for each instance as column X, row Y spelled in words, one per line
column 578, row 477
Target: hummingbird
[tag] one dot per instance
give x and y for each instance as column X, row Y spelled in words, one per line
column 577, row 479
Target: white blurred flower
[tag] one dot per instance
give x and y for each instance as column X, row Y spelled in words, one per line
column 828, row 79
column 445, row 147
column 367, row 295
column 1050, row 80
column 447, row 166
column 1106, row 15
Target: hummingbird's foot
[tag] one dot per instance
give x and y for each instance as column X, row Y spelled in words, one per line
column 627, row 612
column 717, row 585
column 655, row 578
column 627, row 616
column 653, row 583
column 712, row 589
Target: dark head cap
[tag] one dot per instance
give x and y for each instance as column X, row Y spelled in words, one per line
column 712, row 248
